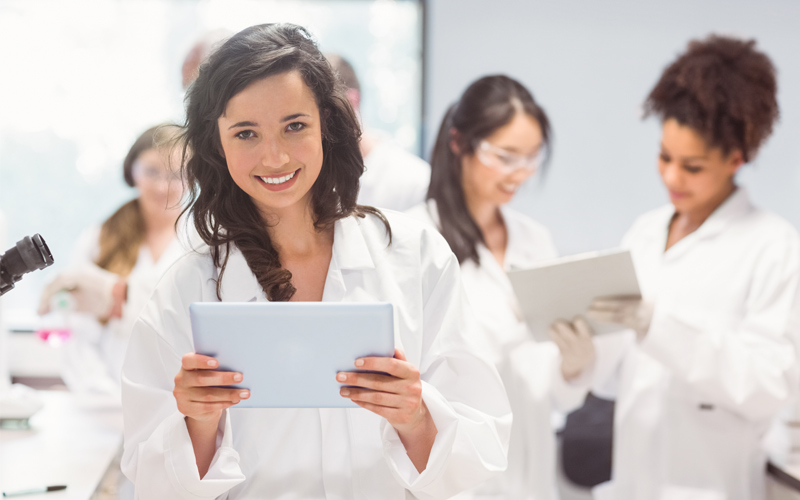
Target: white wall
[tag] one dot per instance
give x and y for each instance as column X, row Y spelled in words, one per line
column 591, row 64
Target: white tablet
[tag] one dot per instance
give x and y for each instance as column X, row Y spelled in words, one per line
column 290, row 352
column 564, row 288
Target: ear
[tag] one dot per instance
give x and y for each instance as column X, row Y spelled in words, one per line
column 454, row 137
column 735, row 161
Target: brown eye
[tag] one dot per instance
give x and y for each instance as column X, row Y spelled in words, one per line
column 295, row 127
column 246, row 134
column 692, row 169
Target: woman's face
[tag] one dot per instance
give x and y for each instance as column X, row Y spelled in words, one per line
column 156, row 174
column 272, row 141
column 503, row 161
column 696, row 176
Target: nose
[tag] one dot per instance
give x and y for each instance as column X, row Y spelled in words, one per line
column 671, row 175
column 273, row 154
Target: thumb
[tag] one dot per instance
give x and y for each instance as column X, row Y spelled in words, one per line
column 582, row 328
column 399, row 354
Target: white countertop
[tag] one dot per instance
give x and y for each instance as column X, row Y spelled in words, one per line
column 72, row 441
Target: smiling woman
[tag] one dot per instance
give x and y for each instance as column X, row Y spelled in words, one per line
column 269, row 129
column 272, row 157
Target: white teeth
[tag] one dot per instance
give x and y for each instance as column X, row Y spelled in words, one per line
column 278, row 180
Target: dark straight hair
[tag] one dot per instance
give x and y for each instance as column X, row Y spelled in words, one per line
column 487, row 105
column 222, row 212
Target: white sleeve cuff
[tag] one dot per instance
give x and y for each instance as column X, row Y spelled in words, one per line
column 446, row 420
column 224, row 472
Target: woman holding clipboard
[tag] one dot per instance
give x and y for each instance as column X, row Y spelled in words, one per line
column 490, row 142
column 273, row 162
column 713, row 361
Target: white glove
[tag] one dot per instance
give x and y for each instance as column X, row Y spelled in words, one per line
column 627, row 310
column 90, row 286
column 574, row 340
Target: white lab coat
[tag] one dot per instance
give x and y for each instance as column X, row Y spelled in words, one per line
column 696, row 396
column 394, row 178
column 322, row 453
column 531, row 370
column 93, row 356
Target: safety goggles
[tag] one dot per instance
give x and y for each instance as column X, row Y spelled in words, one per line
column 503, row 160
column 153, row 174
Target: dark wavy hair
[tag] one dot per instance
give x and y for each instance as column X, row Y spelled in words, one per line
column 724, row 89
column 222, row 212
column 488, row 104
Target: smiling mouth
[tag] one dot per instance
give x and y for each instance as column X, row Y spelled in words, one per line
column 278, row 180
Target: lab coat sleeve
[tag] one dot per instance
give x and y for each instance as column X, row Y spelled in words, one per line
column 158, row 454
column 750, row 369
column 462, row 391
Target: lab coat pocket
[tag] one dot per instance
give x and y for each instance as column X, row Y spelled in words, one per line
column 710, row 448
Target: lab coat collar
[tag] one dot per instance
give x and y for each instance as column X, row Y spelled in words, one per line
column 350, row 252
column 514, row 258
column 737, row 205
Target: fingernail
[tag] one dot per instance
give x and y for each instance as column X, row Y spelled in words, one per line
column 341, row 377
column 345, row 392
column 212, row 362
column 359, row 362
column 237, row 377
column 244, row 394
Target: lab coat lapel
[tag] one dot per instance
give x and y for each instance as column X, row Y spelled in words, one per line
column 239, row 284
column 737, row 205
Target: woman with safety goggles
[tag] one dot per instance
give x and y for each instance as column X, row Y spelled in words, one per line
column 490, row 142
column 116, row 266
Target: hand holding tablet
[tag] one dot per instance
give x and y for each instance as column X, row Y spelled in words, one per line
column 395, row 393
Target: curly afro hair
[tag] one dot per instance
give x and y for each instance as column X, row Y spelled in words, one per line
column 724, row 89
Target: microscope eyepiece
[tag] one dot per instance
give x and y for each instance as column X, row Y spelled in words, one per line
column 29, row 254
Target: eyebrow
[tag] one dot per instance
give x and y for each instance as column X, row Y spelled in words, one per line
column 685, row 158
column 284, row 120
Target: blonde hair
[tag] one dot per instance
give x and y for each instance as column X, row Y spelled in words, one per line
column 122, row 234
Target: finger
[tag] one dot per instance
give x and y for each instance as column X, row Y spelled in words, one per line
column 614, row 301
column 558, row 339
column 399, row 354
column 374, row 381
column 210, row 378
column 377, row 398
column 566, row 332
column 582, row 328
column 604, row 316
column 193, row 409
column 216, row 395
column 193, row 361
column 383, row 411
column 392, row 366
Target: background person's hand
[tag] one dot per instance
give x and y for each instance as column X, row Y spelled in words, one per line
column 91, row 288
column 574, row 341
column 198, row 392
column 627, row 310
